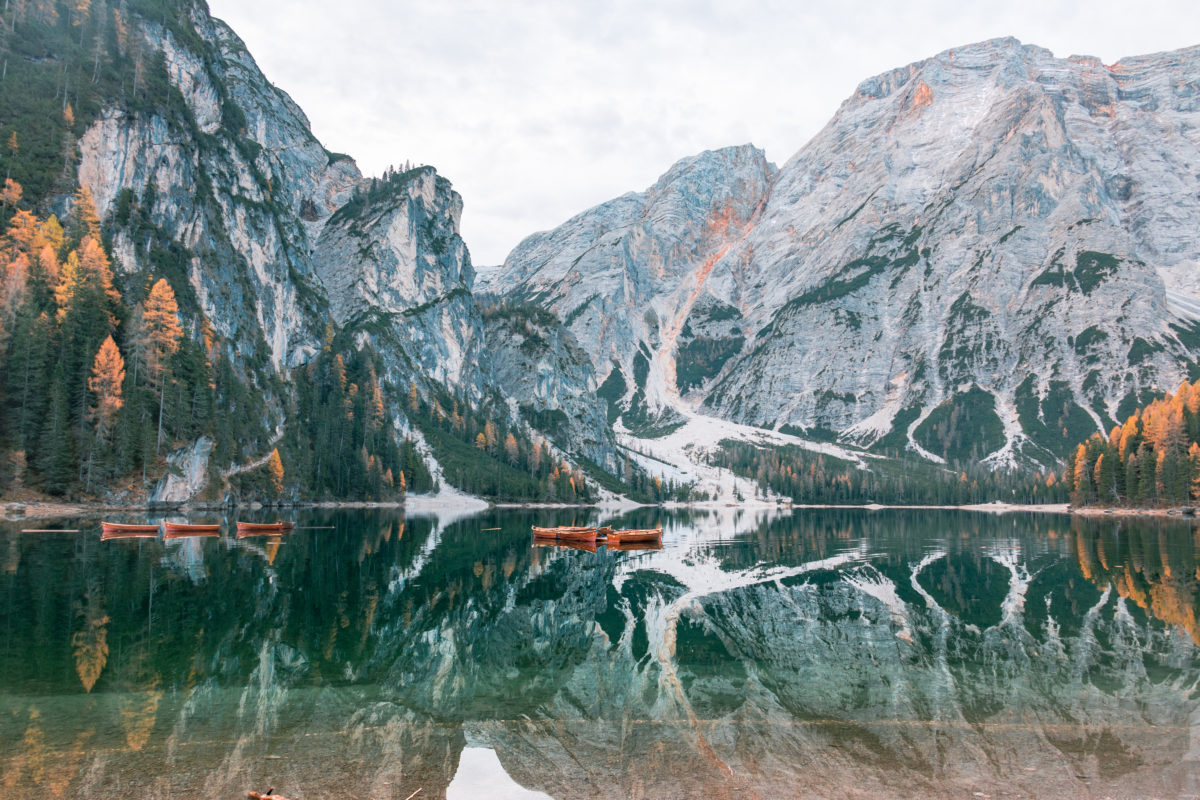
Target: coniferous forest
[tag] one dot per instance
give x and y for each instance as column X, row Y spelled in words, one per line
column 809, row 477
column 1152, row 459
column 100, row 384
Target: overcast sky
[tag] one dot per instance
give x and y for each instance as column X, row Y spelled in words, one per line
column 538, row 110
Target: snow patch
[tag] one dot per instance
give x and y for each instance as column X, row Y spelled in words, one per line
column 448, row 504
column 682, row 455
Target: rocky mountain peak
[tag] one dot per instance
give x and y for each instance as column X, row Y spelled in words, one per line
column 986, row 235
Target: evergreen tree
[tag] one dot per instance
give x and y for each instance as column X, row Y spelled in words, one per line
column 56, row 461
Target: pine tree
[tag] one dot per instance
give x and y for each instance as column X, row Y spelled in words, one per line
column 1132, row 479
column 159, row 333
column 1106, row 477
column 56, row 461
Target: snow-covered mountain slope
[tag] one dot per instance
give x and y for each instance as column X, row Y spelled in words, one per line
column 986, row 255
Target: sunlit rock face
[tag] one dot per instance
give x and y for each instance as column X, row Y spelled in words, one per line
column 279, row 238
column 993, row 218
column 235, row 178
column 282, row 243
column 626, row 276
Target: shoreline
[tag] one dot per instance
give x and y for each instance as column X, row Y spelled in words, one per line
column 423, row 505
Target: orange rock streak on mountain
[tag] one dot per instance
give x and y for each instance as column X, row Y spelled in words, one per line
column 722, row 232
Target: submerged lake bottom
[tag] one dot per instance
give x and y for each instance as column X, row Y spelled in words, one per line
column 816, row 653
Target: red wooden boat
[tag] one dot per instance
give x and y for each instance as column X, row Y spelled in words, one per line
column 120, row 530
column 566, row 534
column 180, row 530
column 245, row 529
column 577, row 535
column 642, row 535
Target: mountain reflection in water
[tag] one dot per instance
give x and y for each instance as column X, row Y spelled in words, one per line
column 825, row 653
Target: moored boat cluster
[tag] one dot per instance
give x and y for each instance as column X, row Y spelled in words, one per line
column 181, row 530
column 590, row 538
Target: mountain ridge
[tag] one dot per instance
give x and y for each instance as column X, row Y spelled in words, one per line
column 864, row 199
column 967, row 265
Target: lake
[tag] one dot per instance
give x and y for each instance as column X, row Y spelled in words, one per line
column 820, row 653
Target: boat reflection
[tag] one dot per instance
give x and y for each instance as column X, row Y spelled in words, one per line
column 881, row 654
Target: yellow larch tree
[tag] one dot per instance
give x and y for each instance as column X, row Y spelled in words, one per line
column 159, row 333
column 108, row 374
column 160, row 328
column 11, row 194
column 275, row 469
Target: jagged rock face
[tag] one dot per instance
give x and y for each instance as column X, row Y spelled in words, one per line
column 280, row 234
column 236, row 179
column 395, row 267
column 278, row 237
column 990, row 219
column 546, row 374
column 401, row 251
column 624, row 276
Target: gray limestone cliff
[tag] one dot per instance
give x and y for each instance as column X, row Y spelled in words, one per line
column 221, row 185
column 992, row 234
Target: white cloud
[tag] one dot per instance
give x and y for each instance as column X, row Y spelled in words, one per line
column 537, row 110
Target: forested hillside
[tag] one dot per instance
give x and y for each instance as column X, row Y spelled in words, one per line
column 200, row 301
column 1152, row 459
column 101, row 382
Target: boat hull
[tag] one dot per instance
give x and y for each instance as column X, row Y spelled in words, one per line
column 587, row 535
column 178, row 530
column 116, row 530
column 571, row 534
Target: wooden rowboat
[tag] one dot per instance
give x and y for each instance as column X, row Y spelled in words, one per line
column 577, row 535
column 179, row 530
column 120, row 530
column 642, row 535
column 566, row 534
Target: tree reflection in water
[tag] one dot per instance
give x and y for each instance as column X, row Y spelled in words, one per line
column 821, row 653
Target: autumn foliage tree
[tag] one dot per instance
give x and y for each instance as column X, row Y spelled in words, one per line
column 158, row 337
column 108, row 375
column 1152, row 459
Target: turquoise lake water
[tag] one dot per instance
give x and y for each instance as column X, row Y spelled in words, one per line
column 826, row 653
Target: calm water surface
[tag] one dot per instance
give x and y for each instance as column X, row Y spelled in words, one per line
column 821, row 654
